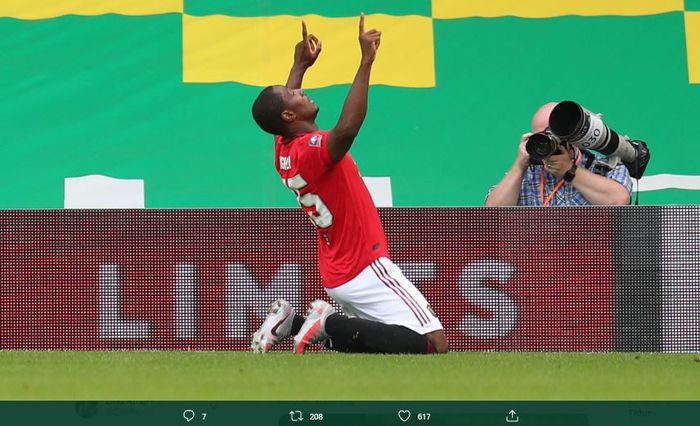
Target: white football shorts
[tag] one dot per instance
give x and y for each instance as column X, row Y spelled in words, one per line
column 382, row 293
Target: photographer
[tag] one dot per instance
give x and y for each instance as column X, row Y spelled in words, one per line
column 569, row 177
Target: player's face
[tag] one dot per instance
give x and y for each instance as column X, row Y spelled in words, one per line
column 303, row 107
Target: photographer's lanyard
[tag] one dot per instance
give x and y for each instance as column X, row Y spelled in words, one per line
column 545, row 201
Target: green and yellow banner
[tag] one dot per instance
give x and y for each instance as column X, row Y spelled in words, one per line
column 160, row 91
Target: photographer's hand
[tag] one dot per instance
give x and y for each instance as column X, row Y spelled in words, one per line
column 522, row 161
column 558, row 164
column 598, row 190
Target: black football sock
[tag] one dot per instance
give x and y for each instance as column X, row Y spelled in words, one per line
column 365, row 336
column 297, row 322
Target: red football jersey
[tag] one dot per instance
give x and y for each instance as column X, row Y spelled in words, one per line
column 350, row 233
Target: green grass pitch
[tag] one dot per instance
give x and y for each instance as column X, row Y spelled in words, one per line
column 156, row 375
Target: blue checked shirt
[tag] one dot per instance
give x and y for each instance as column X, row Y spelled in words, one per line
column 567, row 195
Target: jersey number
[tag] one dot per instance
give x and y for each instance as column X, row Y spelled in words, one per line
column 322, row 217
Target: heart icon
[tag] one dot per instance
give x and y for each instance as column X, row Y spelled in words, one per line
column 404, row 415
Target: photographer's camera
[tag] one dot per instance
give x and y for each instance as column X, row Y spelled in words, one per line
column 571, row 123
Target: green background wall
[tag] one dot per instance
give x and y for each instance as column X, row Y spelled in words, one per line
column 104, row 94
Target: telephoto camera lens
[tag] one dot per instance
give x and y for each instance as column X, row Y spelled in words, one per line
column 578, row 126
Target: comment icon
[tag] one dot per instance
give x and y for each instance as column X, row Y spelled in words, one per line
column 188, row 415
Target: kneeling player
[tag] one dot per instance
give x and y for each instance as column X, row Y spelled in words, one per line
column 385, row 312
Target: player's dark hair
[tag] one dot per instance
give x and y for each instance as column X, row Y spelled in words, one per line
column 267, row 111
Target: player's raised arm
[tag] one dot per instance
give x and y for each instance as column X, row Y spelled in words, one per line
column 305, row 54
column 354, row 110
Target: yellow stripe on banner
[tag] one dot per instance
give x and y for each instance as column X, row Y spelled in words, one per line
column 692, row 37
column 259, row 51
column 448, row 9
column 42, row 9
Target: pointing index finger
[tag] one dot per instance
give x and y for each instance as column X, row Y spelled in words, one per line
column 304, row 33
column 362, row 23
